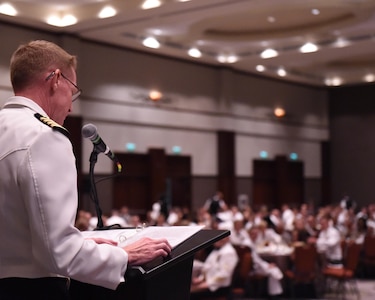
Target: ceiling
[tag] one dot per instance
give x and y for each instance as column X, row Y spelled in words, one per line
column 228, row 33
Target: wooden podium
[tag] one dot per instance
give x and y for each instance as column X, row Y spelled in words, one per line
column 161, row 279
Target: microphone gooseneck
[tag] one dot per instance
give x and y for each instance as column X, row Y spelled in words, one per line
column 89, row 131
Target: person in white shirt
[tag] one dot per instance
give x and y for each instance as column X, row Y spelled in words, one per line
column 287, row 217
column 239, row 236
column 41, row 248
column 267, row 236
column 328, row 243
column 217, row 269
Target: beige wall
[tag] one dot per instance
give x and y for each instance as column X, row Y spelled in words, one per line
column 203, row 99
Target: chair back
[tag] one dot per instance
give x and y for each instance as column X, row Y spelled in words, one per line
column 352, row 255
column 369, row 246
column 305, row 262
column 244, row 266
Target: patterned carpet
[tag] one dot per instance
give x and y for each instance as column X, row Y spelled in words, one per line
column 366, row 289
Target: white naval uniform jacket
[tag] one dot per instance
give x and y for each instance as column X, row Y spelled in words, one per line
column 219, row 266
column 329, row 243
column 38, row 205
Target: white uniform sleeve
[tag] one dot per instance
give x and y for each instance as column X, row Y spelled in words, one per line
column 51, row 200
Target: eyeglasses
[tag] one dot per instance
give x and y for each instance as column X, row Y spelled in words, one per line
column 74, row 95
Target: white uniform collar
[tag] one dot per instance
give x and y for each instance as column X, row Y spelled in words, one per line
column 18, row 101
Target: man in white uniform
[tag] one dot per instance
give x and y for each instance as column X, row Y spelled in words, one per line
column 239, row 236
column 40, row 246
column 328, row 243
column 216, row 271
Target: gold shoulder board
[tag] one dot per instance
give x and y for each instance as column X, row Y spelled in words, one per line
column 52, row 124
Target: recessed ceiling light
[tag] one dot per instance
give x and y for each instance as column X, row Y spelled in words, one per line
column 369, row 77
column 151, row 42
column 315, row 11
column 7, row 9
column 232, row 58
column 148, row 4
column 308, row 48
column 260, row 68
column 269, row 53
column 341, row 42
column 223, row 58
column 62, row 21
column 334, row 81
column 271, row 19
column 195, row 52
column 107, row 12
column 281, row 72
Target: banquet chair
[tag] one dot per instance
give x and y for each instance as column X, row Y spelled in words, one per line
column 304, row 271
column 240, row 280
column 367, row 259
column 346, row 274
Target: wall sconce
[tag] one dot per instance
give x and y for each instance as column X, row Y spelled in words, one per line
column 279, row 112
column 155, row 95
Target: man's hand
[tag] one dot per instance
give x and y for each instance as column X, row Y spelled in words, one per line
column 146, row 249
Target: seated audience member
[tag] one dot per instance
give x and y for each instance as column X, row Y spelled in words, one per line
column 115, row 219
column 83, row 220
column 359, row 231
column 260, row 266
column 239, row 235
column 311, row 226
column 300, row 234
column 216, row 271
column 267, row 236
column 275, row 218
column 328, row 243
column 287, row 217
column 261, row 215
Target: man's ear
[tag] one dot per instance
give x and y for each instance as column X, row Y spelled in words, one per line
column 55, row 80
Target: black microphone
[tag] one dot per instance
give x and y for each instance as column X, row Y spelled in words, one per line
column 90, row 131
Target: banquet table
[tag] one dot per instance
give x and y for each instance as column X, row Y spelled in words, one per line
column 277, row 254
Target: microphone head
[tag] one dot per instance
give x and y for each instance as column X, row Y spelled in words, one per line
column 89, row 131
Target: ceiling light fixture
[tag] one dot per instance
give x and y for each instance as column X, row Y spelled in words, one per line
column 148, row 4
column 369, row 77
column 341, row 42
column 195, row 52
column 107, row 12
column 230, row 59
column 269, row 53
column 335, row 81
column 62, row 21
column 308, row 48
column 271, row 19
column 260, row 68
column 7, row 9
column 281, row 72
column 315, row 11
column 151, row 42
